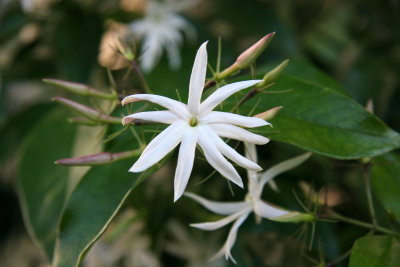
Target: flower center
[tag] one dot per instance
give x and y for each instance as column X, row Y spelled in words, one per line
column 193, row 121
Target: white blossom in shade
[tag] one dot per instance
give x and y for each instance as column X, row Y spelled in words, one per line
column 237, row 212
column 161, row 28
column 197, row 123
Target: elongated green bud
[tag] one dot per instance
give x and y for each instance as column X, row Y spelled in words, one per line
column 271, row 76
column 251, row 54
column 246, row 58
column 86, row 111
column 97, row 159
column 295, row 217
column 79, row 89
column 269, row 114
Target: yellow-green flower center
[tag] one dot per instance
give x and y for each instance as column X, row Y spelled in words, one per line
column 193, row 122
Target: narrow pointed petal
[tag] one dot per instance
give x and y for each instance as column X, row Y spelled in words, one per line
column 174, row 129
column 267, row 211
column 223, row 93
column 159, row 147
column 231, row 153
column 222, row 208
column 250, row 151
column 237, row 133
column 176, row 107
column 226, row 249
column 231, row 118
column 163, row 116
column 215, row 158
column 281, row 167
column 197, row 79
column 210, row 226
column 185, row 162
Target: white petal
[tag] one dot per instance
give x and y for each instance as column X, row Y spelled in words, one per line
column 226, row 249
column 250, row 151
column 159, row 147
column 231, row 153
column 237, row 133
column 176, row 107
column 185, row 162
column 197, row 79
column 215, row 158
column 174, row 57
column 281, row 167
column 231, row 118
column 151, row 52
column 223, row 93
column 163, row 116
column 222, row 208
column 267, row 211
column 210, row 226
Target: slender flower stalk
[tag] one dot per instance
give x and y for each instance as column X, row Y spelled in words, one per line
column 88, row 112
column 197, row 123
column 237, row 212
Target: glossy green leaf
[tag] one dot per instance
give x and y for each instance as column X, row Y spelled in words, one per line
column 319, row 116
column 375, row 251
column 42, row 184
column 92, row 206
column 385, row 180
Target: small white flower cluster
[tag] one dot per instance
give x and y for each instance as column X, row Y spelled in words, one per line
column 161, row 28
column 196, row 123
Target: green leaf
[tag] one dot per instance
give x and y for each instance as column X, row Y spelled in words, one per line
column 375, row 251
column 385, row 180
column 319, row 116
column 92, row 206
column 42, row 184
column 16, row 127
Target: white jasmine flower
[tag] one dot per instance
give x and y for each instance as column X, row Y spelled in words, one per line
column 239, row 211
column 197, row 123
column 161, row 28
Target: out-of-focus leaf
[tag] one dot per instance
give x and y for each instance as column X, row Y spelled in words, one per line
column 42, row 184
column 91, row 207
column 15, row 128
column 375, row 251
column 385, row 180
column 320, row 117
column 77, row 42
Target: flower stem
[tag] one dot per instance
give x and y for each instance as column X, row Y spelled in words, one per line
column 336, row 216
column 367, row 181
column 139, row 74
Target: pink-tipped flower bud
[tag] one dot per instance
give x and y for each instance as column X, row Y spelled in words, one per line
column 251, row 54
column 269, row 114
column 79, row 89
column 97, row 159
column 370, row 106
column 271, row 76
column 86, row 111
column 294, row 217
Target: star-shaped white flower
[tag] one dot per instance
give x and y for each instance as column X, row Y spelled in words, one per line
column 197, row 123
column 239, row 211
column 161, row 28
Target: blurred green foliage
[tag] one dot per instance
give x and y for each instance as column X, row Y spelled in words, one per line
column 357, row 43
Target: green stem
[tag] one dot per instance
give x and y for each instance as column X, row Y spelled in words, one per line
column 336, row 216
column 367, row 181
column 139, row 74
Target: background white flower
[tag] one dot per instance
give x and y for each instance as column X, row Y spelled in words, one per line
column 161, row 28
column 197, row 123
column 239, row 211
